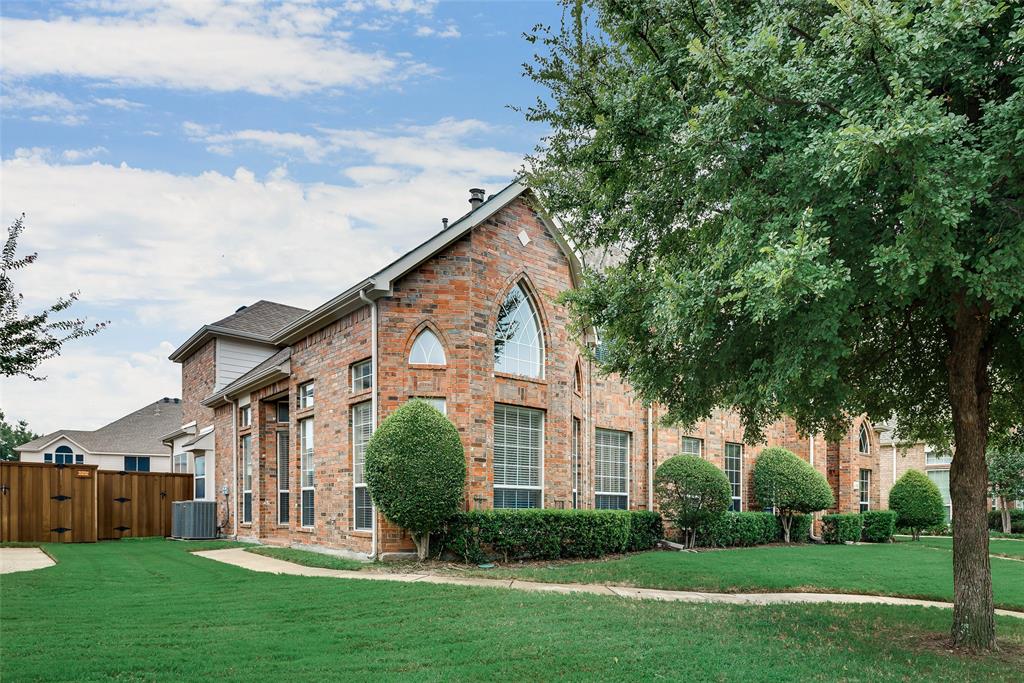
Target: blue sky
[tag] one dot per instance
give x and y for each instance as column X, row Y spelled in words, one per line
column 176, row 160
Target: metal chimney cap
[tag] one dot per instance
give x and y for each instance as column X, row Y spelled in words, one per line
column 476, row 196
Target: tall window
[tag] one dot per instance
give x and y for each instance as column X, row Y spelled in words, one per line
column 362, row 430
column 179, row 462
column 518, row 342
column 577, row 379
column 941, row 479
column 306, row 473
column 133, row 463
column 691, row 446
column 937, row 456
column 427, row 350
column 282, row 411
column 305, row 395
column 245, row 416
column 518, row 444
column 611, row 469
column 362, row 376
column 864, row 443
column 283, row 479
column 734, row 470
column 865, row 490
column 576, row 430
column 200, row 477
column 247, row 479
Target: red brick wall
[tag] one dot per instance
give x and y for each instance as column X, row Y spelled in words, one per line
column 198, row 374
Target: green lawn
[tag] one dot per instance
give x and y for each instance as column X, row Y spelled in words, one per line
column 900, row 569
column 150, row 610
column 307, row 558
column 996, row 546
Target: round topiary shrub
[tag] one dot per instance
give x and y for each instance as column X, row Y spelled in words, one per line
column 790, row 486
column 691, row 494
column 917, row 502
column 416, row 470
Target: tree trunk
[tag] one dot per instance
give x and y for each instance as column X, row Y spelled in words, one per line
column 969, row 396
column 422, row 542
column 787, row 524
column 1004, row 508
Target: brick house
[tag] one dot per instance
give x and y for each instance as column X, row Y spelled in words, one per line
column 280, row 402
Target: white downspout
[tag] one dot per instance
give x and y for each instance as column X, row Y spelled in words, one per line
column 650, row 458
column 815, row 516
column 373, row 403
column 234, row 466
column 812, row 450
column 894, row 462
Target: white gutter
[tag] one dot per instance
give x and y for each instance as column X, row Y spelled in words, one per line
column 650, row 458
column 373, row 401
column 234, row 464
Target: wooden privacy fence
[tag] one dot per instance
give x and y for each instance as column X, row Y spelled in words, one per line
column 79, row 504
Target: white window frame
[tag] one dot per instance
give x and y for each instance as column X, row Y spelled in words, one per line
column 305, row 395
column 246, row 448
column 935, row 456
column 864, row 491
column 307, row 471
column 863, row 436
column 362, row 378
column 282, row 405
column 947, row 500
column 684, row 440
column 427, row 360
column 540, row 457
column 733, row 499
column 284, row 494
column 624, row 494
column 245, row 416
column 359, row 461
column 434, row 401
column 541, row 343
column 179, row 462
column 197, row 477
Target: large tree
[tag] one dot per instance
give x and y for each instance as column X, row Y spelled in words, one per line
column 27, row 339
column 12, row 436
column 811, row 208
column 1006, row 477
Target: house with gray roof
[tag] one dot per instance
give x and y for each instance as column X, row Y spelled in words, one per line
column 133, row 443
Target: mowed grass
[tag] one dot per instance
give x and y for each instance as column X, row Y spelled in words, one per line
column 898, row 569
column 307, row 558
column 1003, row 547
column 149, row 610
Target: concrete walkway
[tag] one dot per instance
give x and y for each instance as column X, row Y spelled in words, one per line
column 23, row 560
column 259, row 563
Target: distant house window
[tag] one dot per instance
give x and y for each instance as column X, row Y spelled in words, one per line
column 133, row 463
column 864, row 443
column 518, row 443
column 245, row 416
column 734, row 470
column 941, row 479
column 282, row 411
column 283, row 479
column 427, row 350
column 64, row 456
column 865, row 490
column 688, row 445
column 576, row 433
column 48, row 457
column 247, row 479
column 518, row 341
column 437, row 404
column 79, row 458
column 362, row 376
column 611, row 470
column 362, row 430
column 306, row 472
column 200, row 477
column 937, row 456
column 305, row 395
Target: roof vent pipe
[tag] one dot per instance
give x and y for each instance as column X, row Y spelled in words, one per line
column 444, row 223
column 476, row 197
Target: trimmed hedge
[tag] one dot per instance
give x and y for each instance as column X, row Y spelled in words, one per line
column 549, row 534
column 789, row 485
column 995, row 521
column 800, row 531
column 691, row 493
column 879, row 526
column 917, row 502
column 740, row 529
column 841, row 528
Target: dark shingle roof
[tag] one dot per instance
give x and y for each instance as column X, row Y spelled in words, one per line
column 263, row 318
column 137, row 432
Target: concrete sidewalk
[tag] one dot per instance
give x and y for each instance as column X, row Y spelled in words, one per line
column 259, row 563
column 23, row 560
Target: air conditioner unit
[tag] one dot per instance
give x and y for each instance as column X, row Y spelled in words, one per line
column 194, row 519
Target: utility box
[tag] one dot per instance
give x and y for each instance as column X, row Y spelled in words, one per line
column 194, row 519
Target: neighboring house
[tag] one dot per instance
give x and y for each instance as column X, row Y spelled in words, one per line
column 131, row 443
column 279, row 403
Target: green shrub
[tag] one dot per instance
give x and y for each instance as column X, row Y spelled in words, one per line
column 691, row 494
column 917, row 502
column 416, row 470
column 740, row 529
column 549, row 534
column 841, row 528
column 995, row 521
column 789, row 485
column 800, row 530
column 879, row 526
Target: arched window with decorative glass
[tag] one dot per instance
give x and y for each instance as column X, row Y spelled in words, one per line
column 864, row 442
column 427, row 350
column 518, row 339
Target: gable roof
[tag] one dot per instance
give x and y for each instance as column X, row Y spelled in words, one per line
column 258, row 322
column 137, row 433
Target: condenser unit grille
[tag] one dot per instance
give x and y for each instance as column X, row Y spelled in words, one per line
column 194, row 519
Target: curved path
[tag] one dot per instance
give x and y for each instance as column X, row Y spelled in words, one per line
column 259, row 563
column 23, row 560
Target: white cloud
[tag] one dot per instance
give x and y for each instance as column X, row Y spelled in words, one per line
column 268, row 49
column 118, row 103
column 74, row 155
column 268, row 140
column 17, row 97
column 449, row 31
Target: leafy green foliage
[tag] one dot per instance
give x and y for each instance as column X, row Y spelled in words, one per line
column 740, row 529
column 995, row 521
column 549, row 534
column 845, row 528
column 416, row 470
column 691, row 493
column 917, row 502
column 879, row 526
column 1006, row 480
column 12, row 436
column 789, row 485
